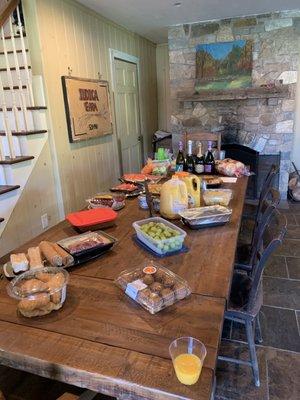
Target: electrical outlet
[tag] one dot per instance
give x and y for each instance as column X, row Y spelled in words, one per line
column 45, row 222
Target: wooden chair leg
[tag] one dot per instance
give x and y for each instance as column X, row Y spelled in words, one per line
column 252, row 351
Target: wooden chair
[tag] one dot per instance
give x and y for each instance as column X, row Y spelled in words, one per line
column 247, row 313
column 200, row 136
column 87, row 395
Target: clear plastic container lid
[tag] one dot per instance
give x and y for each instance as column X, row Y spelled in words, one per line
column 31, row 282
column 153, row 286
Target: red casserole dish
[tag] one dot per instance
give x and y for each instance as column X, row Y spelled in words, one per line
column 89, row 220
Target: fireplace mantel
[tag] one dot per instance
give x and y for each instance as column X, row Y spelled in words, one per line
column 237, row 94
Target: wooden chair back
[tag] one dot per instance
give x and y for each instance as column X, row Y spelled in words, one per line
column 200, row 136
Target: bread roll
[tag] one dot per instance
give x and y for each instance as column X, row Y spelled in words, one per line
column 50, row 254
column 38, row 301
column 67, row 259
column 19, row 262
column 35, row 258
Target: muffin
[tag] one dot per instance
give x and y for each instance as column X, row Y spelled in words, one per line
column 168, row 297
column 144, row 295
column 168, row 282
column 156, row 301
column 180, row 290
column 148, row 279
column 156, row 287
column 159, row 276
column 136, row 275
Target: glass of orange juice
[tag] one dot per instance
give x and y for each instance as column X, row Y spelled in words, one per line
column 188, row 355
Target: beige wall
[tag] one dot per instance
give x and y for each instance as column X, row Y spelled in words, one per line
column 62, row 34
column 163, row 87
column 37, row 198
column 73, row 36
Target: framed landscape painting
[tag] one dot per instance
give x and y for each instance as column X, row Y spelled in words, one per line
column 225, row 65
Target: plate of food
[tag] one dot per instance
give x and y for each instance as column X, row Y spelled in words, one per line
column 140, row 178
column 129, row 189
column 115, row 201
column 155, row 188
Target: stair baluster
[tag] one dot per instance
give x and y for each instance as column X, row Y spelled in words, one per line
column 25, row 61
column 6, row 124
column 18, row 72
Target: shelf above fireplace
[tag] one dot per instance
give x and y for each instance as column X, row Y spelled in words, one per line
column 237, row 94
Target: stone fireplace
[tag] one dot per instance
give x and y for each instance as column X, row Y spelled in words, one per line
column 258, row 117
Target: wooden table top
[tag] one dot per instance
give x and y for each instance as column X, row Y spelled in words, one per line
column 104, row 341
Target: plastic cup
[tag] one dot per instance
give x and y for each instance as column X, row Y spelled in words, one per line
column 187, row 355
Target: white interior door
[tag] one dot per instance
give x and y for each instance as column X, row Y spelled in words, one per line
column 126, row 95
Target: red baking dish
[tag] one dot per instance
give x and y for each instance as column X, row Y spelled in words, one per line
column 89, row 220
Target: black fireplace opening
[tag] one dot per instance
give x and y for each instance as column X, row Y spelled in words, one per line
column 259, row 164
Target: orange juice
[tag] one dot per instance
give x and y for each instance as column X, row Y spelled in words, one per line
column 188, row 368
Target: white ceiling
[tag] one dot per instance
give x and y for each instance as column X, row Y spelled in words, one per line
column 150, row 18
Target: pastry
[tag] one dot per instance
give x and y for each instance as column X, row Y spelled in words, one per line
column 144, row 295
column 156, row 287
column 156, row 301
column 168, row 297
column 168, row 282
column 159, row 275
column 50, row 254
column 180, row 291
column 19, row 262
column 56, row 297
column 56, row 282
column 67, row 259
column 44, row 276
column 35, row 258
column 41, row 311
column 31, row 286
column 148, row 279
column 38, row 301
column 137, row 275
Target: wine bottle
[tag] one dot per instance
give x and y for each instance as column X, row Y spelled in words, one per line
column 180, row 160
column 190, row 162
column 199, row 161
column 209, row 161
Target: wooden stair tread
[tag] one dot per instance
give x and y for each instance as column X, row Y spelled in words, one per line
column 16, row 87
column 12, row 52
column 15, row 36
column 14, row 68
column 29, row 108
column 18, row 159
column 25, row 133
column 8, row 188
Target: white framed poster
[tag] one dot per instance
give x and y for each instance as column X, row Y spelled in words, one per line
column 88, row 111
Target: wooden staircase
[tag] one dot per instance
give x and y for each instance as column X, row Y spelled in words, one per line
column 23, row 124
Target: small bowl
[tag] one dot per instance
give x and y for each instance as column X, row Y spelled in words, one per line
column 39, row 291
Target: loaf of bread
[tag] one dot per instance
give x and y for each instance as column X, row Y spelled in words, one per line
column 35, row 258
column 19, row 262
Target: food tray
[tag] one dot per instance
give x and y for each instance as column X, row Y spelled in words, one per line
column 183, row 249
column 153, row 287
column 88, row 245
column 161, row 246
column 202, row 217
column 114, row 201
column 213, row 197
column 92, row 219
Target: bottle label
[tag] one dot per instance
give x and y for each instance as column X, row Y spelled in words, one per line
column 207, row 168
column 179, row 168
column 199, row 168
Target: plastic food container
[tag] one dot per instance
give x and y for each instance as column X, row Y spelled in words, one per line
column 39, row 291
column 202, row 217
column 114, row 201
column 153, row 287
column 159, row 242
column 213, row 197
column 87, row 243
column 87, row 220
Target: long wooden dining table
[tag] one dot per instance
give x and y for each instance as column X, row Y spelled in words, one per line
column 104, row 341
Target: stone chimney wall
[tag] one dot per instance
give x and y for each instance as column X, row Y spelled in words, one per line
column 266, row 124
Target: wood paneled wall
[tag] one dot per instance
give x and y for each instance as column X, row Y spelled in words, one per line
column 62, row 34
column 163, row 86
column 76, row 37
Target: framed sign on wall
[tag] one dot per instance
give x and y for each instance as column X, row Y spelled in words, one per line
column 88, row 111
